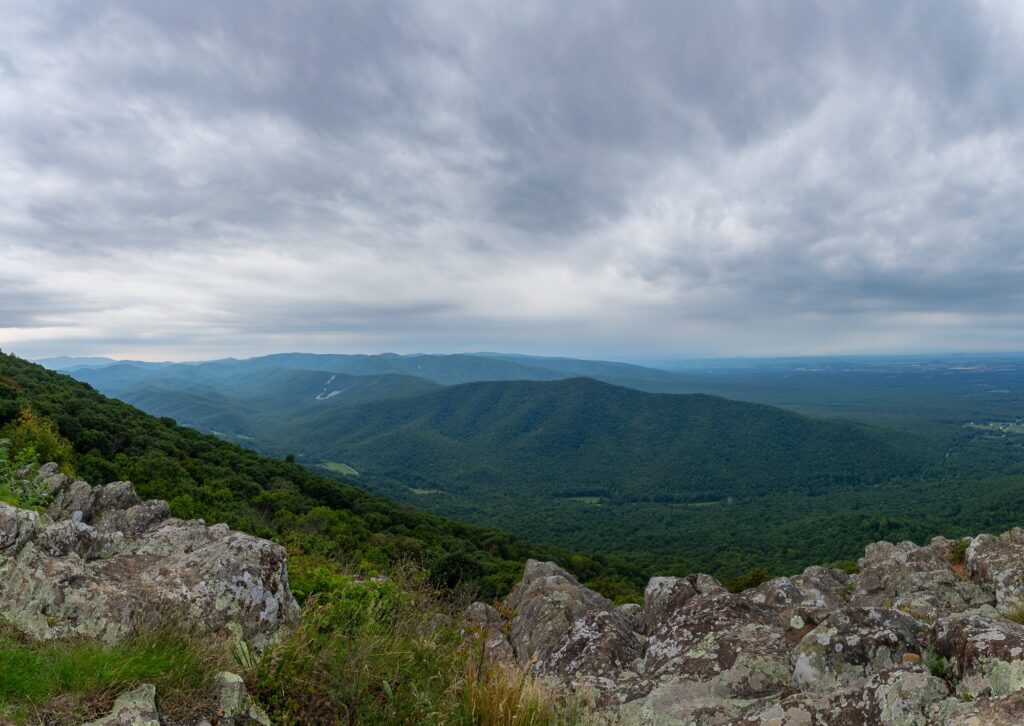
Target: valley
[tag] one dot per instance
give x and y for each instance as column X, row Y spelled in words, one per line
column 668, row 481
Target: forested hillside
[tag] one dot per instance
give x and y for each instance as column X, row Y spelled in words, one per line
column 670, row 483
column 203, row 476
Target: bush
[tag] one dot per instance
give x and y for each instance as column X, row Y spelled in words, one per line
column 40, row 434
column 389, row 650
column 959, row 553
column 28, row 491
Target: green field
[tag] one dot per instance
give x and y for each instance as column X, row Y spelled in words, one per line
column 339, row 468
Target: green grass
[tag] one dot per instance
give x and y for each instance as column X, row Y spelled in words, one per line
column 339, row 468
column 391, row 651
column 67, row 681
column 1016, row 615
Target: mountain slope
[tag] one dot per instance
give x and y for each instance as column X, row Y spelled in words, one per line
column 443, row 369
column 202, row 476
column 579, row 437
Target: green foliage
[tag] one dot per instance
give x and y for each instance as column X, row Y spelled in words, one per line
column 40, row 435
column 203, row 476
column 937, row 665
column 388, row 650
column 959, row 554
column 21, row 491
column 850, row 567
column 752, row 579
column 71, row 681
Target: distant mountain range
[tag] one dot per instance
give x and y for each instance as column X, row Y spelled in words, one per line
column 574, row 452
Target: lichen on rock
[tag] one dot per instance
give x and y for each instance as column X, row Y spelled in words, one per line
column 101, row 563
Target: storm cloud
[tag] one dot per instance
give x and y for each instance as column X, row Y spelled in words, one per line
column 587, row 178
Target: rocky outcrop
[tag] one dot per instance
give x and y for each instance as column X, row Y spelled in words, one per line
column 101, row 563
column 913, row 638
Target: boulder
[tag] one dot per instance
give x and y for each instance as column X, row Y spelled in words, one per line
column 810, row 596
column 918, row 580
column 823, row 647
column 664, row 595
column 852, row 644
column 234, row 704
column 490, row 623
column 1007, row 711
column 998, row 562
column 895, row 697
column 986, row 653
column 546, row 605
column 634, row 615
column 136, row 707
column 600, row 644
column 102, row 563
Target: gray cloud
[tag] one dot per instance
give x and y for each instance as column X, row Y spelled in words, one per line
column 600, row 177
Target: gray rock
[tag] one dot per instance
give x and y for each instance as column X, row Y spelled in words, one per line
column 852, row 644
column 136, row 707
column 1007, row 711
column 822, row 647
column 236, row 707
column 599, row 644
column 547, row 603
column 917, row 580
column 489, row 621
column 999, row 564
column 634, row 615
column 895, row 697
column 811, row 597
column 987, row 653
column 125, row 563
column 664, row 595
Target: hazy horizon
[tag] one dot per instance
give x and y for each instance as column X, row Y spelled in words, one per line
column 589, row 179
column 639, row 359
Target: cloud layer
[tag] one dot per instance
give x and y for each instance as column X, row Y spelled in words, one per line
column 594, row 178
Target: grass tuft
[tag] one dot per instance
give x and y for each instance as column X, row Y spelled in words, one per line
column 68, row 681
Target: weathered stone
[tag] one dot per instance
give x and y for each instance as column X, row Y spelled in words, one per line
column 810, row 596
column 236, row 707
column 987, row 653
column 823, row 647
column 133, row 565
column 136, row 707
column 17, row 526
column 634, row 615
column 999, row 564
column 1007, row 711
column 664, row 595
column 852, row 644
column 489, row 621
column 918, row 580
column 599, row 644
column 547, row 603
column 894, row 697
column 719, row 646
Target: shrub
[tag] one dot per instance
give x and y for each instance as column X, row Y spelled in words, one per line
column 389, row 650
column 28, row 491
column 959, row 553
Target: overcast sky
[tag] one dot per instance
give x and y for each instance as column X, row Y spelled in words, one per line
column 197, row 179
